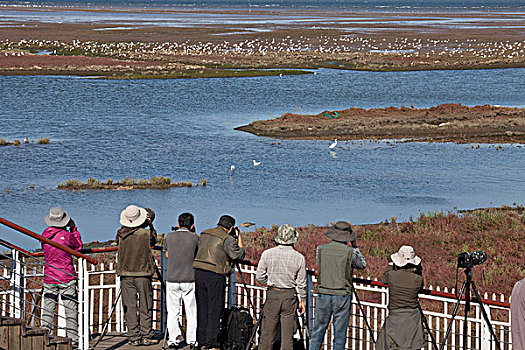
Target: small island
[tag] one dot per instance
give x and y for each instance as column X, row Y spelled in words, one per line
column 443, row 123
column 128, row 183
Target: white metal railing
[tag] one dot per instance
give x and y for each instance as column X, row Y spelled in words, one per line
column 99, row 286
column 21, row 297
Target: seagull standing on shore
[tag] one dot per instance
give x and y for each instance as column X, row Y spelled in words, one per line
column 256, row 163
column 332, row 146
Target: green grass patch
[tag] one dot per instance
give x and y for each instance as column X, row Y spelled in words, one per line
column 210, row 73
column 128, row 183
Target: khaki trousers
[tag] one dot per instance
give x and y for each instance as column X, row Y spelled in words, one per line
column 279, row 306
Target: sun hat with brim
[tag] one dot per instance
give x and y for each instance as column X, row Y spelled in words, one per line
column 286, row 234
column 57, row 217
column 341, row 232
column 133, row 216
column 404, row 256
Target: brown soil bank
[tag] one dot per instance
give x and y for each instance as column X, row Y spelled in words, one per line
column 443, row 123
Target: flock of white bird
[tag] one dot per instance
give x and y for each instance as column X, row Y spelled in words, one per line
column 404, row 47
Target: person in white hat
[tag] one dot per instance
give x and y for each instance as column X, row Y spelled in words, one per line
column 135, row 267
column 403, row 328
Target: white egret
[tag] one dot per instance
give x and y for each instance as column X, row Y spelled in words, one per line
column 332, row 146
column 256, row 163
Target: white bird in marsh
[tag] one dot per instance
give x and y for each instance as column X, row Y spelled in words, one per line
column 256, row 163
column 332, row 146
column 232, row 169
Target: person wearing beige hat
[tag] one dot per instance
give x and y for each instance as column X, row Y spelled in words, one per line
column 402, row 328
column 135, row 267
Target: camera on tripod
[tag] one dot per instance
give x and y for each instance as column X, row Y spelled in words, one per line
column 468, row 260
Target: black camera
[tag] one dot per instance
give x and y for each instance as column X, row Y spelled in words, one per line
column 235, row 232
column 468, row 260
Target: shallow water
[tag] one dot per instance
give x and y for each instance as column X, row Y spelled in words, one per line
column 184, row 129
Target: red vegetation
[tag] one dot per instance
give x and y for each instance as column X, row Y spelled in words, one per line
column 437, row 239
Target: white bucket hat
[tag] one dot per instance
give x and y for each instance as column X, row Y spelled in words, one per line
column 405, row 255
column 133, row 216
column 57, row 217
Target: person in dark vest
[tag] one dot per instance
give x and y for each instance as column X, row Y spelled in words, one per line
column 335, row 263
column 402, row 328
column 218, row 247
column 136, row 267
column 283, row 269
column 180, row 248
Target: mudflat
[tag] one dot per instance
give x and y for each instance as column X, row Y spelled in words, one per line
column 187, row 43
column 443, row 123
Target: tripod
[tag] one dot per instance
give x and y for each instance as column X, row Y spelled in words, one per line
column 425, row 325
column 465, row 290
column 363, row 312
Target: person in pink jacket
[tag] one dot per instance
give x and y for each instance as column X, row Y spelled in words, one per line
column 60, row 277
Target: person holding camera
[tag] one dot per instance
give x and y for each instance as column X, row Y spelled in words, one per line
column 283, row 269
column 180, row 248
column 335, row 262
column 402, row 328
column 135, row 267
column 60, row 277
column 218, row 248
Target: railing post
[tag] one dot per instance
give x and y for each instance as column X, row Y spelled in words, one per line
column 163, row 309
column 83, row 305
column 486, row 337
column 118, row 310
column 61, row 324
column 231, row 287
column 17, row 285
column 310, row 301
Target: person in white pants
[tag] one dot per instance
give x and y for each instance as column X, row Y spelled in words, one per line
column 180, row 248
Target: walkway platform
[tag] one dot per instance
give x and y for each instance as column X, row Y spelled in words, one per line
column 119, row 341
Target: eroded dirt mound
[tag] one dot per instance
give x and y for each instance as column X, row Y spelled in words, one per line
column 446, row 122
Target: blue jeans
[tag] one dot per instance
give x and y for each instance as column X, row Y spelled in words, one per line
column 338, row 307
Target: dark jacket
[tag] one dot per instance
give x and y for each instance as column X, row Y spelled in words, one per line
column 402, row 330
column 135, row 258
column 404, row 285
column 217, row 249
column 334, row 275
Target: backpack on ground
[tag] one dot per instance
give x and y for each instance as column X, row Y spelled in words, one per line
column 237, row 328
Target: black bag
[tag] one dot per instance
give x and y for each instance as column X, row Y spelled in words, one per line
column 237, row 326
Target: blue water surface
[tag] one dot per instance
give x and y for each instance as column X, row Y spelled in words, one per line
column 185, row 129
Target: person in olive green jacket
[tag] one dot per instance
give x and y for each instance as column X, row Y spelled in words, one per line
column 135, row 267
column 218, row 247
column 335, row 263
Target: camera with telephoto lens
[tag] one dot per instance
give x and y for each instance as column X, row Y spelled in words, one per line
column 468, row 260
